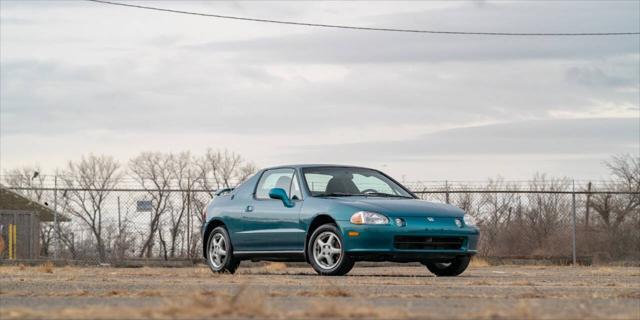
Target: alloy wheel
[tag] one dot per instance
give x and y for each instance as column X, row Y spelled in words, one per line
column 327, row 250
column 217, row 251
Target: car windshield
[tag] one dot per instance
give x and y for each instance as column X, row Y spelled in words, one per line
column 346, row 181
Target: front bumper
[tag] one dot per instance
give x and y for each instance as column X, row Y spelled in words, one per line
column 376, row 242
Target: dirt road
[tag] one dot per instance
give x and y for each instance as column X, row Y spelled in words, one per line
column 275, row 291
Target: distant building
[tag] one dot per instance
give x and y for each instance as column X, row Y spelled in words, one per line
column 22, row 216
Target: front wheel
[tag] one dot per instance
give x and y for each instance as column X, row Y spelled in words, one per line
column 326, row 252
column 220, row 252
column 450, row 268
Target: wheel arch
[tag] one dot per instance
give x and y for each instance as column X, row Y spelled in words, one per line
column 211, row 224
column 316, row 222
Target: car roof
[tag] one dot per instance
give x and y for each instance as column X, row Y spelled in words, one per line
column 315, row 165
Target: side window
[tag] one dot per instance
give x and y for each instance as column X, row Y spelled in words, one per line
column 278, row 178
column 295, row 193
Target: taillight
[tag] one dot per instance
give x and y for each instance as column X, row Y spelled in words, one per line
column 204, row 214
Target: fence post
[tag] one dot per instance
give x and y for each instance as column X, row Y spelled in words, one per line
column 119, row 218
column 189, row 221
column 573, row 222
column 55, row 216
column 587, row 207
column 446, row 188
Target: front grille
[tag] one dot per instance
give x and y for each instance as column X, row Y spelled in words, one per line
column 427, row 243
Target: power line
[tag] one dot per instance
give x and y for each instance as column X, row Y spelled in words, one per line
column 364, row 28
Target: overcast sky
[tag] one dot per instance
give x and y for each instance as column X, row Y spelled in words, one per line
column 81, row 77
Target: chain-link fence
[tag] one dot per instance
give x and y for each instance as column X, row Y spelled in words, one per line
column 596, row 226
column 550, row 219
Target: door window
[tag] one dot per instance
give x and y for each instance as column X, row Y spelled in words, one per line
column 277, row 178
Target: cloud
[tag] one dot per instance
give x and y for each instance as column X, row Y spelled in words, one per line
column 279, row 93
column 330, row 46
column 595, row 77
column 547, row 137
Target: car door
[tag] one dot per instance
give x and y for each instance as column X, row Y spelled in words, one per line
column 268, row 224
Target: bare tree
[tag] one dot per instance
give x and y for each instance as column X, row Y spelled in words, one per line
column 154, row 172
column 186, row 175
column 614, row 209
column 496, row 213
column 46, row 235
column 228, row 165
column 89, row 182
column 246, row 171
column 546, row 212
column 223, row 169
column 27, row 177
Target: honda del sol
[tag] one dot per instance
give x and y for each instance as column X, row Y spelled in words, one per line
column 332, row 216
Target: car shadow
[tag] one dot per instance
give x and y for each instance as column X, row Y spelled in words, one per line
column 360, row 275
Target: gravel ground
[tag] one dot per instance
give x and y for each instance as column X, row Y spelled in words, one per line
column 278, row 291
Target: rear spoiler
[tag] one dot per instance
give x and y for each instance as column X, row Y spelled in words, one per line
column 223, row 191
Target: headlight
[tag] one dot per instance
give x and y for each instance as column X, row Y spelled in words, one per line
column 365, row 217
column 469, row 220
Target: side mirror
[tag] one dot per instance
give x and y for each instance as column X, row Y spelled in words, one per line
column 279, row 193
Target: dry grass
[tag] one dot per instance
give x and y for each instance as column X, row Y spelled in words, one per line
column 275, row 266
column 332, row 291
column 343, row 311
column 523, row 311
column 630, row 294
column 206, row 304
column 46, row 267
column 481, row 283
column 521, row 283
column 532, row 295
column 602, row 271
column 398, row 292
column 477, row 262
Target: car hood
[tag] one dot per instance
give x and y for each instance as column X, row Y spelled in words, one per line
column 402, row 207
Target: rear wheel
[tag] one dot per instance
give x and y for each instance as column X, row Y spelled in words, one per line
column 450, row 268
column 220, row 252
column 326, row 252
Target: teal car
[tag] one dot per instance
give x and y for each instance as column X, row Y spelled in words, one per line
column 332, row 216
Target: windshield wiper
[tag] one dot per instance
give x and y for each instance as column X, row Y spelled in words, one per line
column 336, row 194
column 382, row 194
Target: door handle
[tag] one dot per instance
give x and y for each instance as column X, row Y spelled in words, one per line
column 248, row 209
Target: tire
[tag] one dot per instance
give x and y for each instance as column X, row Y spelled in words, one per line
column 448, row 269
column 221, row 260
column 326, row 252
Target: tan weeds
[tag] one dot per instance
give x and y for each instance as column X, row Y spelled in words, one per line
column 480, row 283
column 523, row 311
column 332, row 291
column 521, row 283
column 275, row 266
column 477, row 262
column 630, row 294
column 319, row 309
column 46, row 267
